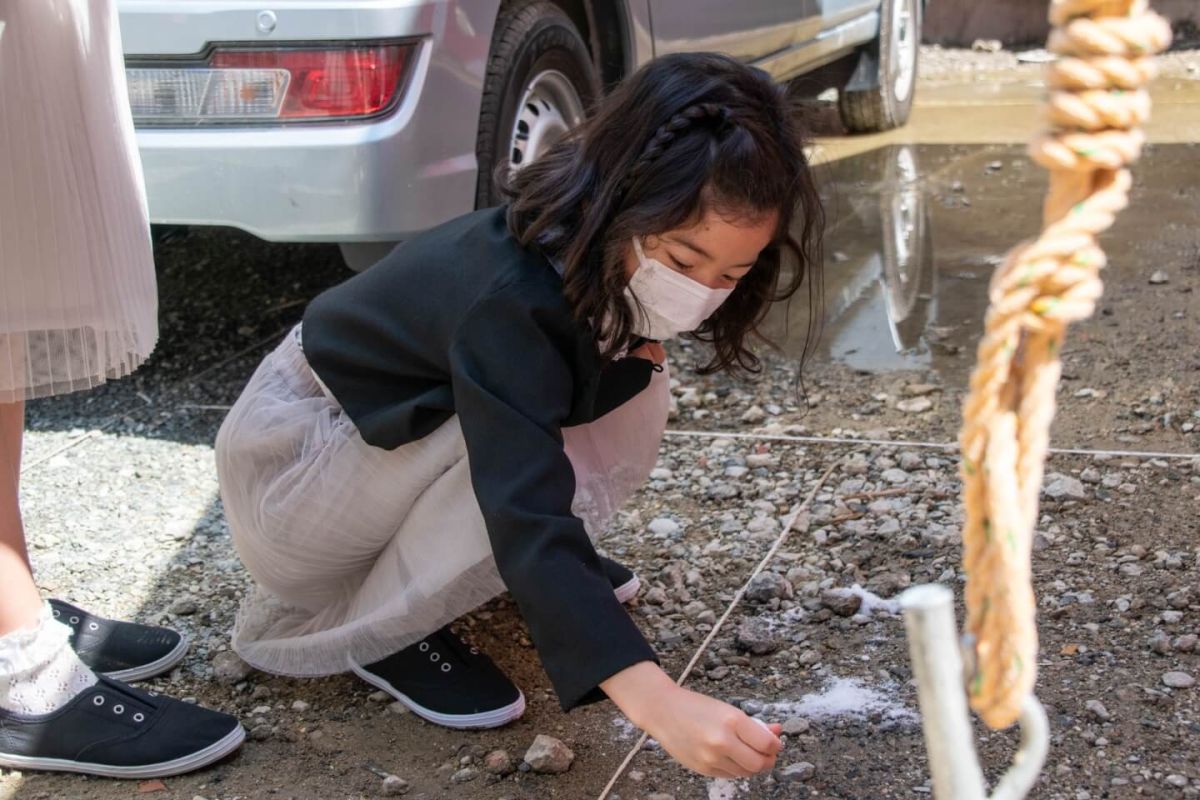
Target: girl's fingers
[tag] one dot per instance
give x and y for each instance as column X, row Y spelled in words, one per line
column 759, row 736
column 749, row 760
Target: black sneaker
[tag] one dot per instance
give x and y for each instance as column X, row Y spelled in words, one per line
column 624, row 582
column 447, row 682
column 125, row 651
column 117, row 731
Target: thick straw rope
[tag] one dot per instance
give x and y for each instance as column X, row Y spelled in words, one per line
column 1097, row 99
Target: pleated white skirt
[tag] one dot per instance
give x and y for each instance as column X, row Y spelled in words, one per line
column 358, row 551
column 78, row 302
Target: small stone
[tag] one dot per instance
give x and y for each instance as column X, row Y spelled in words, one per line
column 756, row 636
column 796, row 773
column 767, row 586
column 1160, row 643
column 229, row 668
column 895, row 475
column 915, row 405
column 378, row 697
column 398, row 708
column 663, row 526
column 1064, row 487
column 394, row 786
column 300, row 706
column 754, row 415
column 260, row 733
column 660, row 474
column 794, row 726
column 655, row 596
column 841, row 602
column 921, row 389
column 499, row 762
column 987, row 46
column 464, row 775
column 637, row 776
column 1179, row 781
column 1186, row 643
column 1178, row 680
column 1172, row 617
column 184, row 606
column 1097, row 710
column 549, row 755
column 1159, row 278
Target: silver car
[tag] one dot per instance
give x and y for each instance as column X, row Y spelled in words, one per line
column 362, row 122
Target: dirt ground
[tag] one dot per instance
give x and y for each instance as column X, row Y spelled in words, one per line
column 915, row 229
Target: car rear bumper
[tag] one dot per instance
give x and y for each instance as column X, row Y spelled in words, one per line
column 378, row 180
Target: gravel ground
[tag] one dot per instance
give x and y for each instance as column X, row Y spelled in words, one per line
column 121, row 499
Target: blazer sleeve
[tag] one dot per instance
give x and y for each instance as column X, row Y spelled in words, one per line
column 513, row 385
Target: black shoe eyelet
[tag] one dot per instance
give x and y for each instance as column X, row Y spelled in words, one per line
column 435, row 656
column 93, row 626
column 57, row 613
column 118, row 709
column 423, row 646
column 139, row 717
column 446, row 667
column 74, row 620
column 98, row 700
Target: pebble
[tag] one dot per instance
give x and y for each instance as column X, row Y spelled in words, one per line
column 756, row 636
column 754, row 415
column 796, row 773
column 549, row 755
column 895, row 475
column 499, row 762
column 1160, row 277
column 1186, row 643
column 300, row 706
column 1178, row 680
column 394, row 786
column 794, row 726
column 229, row 668
column 1097, row 710
column 915, row 405
column 663, row 526
column 464, row 775
column 767, row 586
column 184, row 606
column 1064, row 487
column 378, row 697
column 841, row 602
column 398, row 708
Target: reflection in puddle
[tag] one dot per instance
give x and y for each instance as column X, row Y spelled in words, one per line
column 887, row 305
column 915, row 232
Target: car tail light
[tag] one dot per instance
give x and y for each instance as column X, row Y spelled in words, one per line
column 271, row 85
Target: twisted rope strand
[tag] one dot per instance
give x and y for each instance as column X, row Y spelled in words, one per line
column 1096, row 103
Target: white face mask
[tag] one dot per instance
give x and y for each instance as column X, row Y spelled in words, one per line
column 666, row 303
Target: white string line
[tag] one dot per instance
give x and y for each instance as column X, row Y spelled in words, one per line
column 792, row 516
column 779, row 437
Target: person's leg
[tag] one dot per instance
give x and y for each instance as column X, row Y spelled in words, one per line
column 20, row 603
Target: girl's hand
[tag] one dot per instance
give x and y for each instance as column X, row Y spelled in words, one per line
column 701, row 733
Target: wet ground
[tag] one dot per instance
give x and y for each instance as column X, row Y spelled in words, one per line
column 123, row 514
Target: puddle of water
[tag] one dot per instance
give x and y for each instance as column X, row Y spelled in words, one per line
column 915, row 232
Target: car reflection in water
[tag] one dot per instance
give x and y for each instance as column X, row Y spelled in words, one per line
column 880, row 280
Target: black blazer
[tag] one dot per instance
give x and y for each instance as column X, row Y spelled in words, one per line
column 464, row 320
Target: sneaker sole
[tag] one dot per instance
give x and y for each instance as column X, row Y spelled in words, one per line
column 484, row 719
column 628, row 590
column 201, row 758
column 158, row 667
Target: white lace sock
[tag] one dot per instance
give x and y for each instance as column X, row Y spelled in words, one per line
column 39, row 672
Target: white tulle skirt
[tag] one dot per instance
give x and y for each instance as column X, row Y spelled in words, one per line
column 77, row 289
column 359, row 551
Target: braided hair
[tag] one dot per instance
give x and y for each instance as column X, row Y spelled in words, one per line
column 687, row 134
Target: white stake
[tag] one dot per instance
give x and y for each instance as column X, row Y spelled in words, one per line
column 937, row 666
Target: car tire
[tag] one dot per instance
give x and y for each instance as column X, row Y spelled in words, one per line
column 879, row 96
column 540, row 82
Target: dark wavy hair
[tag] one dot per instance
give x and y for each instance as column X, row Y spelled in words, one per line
column 687, row 133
